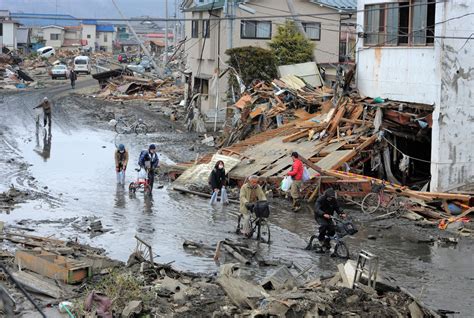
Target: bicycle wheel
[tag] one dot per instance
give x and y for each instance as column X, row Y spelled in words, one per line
column 121, row 127
column 370, row 203
column 341, row 250
column 263, row 231
column 141, row 129
column 132, row 188
column 147, row 189
column 397, row 206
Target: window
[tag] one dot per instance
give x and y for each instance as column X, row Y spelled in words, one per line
column 313, row 30
column 54, row 37
column 1, row 29
column 88, row 36
column 195, row 29
column 201, row 85
column 400, row 23
column 97, row 36
column 205, row 29
column 105, row 37
column 256, row 30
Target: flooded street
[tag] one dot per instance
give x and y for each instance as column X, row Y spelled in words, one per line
column 72, row 174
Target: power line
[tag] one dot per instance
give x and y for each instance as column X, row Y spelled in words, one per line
column 340, row 12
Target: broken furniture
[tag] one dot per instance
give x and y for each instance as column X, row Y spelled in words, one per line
column 53, row 266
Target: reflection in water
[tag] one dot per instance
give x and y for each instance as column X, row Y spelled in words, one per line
column 120, row 197
column 44, row 152
column 148, row 206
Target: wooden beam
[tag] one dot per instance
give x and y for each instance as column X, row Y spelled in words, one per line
column 296, row 136
column 354, row 152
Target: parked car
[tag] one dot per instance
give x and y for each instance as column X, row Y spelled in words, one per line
column 136, row 68
column 146, row 63
column 46, row 51
column 122, row 58
column 82, row 64
column 59, row 70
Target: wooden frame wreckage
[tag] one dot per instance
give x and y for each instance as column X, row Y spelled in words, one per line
column 347, row 142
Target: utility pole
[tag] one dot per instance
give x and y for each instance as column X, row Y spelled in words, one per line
column 229, row 13
column 175, row 29
column 136, row 36
column 299, row 25
column 166, row 32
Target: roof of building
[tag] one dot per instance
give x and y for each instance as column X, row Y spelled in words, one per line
column 158, row 35
column 105, row 28
column 90, row 22
column 73, row 27
column 338, row 4
column 217, row 4
column 52, row 26
column 157, row 42
column 41, row 19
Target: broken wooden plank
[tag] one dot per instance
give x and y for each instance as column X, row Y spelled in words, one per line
column 236, row 254
column 36, row 285
column 293, row 137
column 446, row 196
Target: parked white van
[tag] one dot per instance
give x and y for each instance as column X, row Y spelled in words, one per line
column 82, row 64
column 46, row 51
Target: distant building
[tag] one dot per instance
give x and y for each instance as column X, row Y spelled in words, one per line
column 8, row 30
column 53, row 35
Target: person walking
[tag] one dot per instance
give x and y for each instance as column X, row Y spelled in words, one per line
column 250, row 193
column 217, row 180
column 73, row 78
column 121, row 161
column 324, row 209
column 151, row 156
column 46, row 105
column 296, row 174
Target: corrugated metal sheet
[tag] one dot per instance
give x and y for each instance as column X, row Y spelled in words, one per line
column 105, row 28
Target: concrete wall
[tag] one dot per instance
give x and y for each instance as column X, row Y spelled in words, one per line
column 88, row 34
column 441, row 75
column 453, row 119
column 9, row 35
column 47, row 37
column 389, row 72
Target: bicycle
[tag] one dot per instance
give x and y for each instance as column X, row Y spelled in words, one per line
column 259, row 212
column 336, row 244
column 141, row 182
column 377, row 199
column 138, row 126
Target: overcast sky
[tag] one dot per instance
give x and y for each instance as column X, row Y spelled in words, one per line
column 91, row 8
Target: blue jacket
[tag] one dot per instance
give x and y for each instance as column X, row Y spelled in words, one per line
column 145, row 155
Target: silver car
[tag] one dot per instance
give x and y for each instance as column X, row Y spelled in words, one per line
column 59, row 70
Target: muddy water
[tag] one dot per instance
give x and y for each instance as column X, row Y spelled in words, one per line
column 75, row 163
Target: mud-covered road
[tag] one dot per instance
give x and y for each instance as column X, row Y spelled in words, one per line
column 69, row 175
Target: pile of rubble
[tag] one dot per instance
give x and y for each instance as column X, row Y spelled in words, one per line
column 11, row 76
column 77, row 279
column 267, row 105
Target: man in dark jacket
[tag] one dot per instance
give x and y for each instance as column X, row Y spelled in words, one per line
column 150, row 156
column 73, row 78
column 324, row 209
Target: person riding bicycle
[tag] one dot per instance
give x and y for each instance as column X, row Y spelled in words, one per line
column 250, row 193
column 324, row 209
column 121, row 161
column 150, row 156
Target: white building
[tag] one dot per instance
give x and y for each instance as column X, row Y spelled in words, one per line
column 8, row 30
column 53, row 35
column 88, row 34
column 422, row 52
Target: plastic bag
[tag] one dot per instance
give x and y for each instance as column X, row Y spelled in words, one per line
column 306, row 175
column 224, row 196
column 142, row 174
column 286, row 183
column 213, row 198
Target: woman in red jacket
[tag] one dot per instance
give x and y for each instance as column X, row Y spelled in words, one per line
column 296, row 174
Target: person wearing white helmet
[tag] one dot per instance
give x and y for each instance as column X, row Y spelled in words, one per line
column 46, row 105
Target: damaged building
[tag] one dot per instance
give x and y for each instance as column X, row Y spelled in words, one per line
column 420, row 53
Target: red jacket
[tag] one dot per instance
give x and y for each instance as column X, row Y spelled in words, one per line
column 296, row 170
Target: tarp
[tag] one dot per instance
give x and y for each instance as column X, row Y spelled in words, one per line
column 198, row 175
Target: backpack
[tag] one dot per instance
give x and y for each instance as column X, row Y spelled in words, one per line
column 142, row 157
